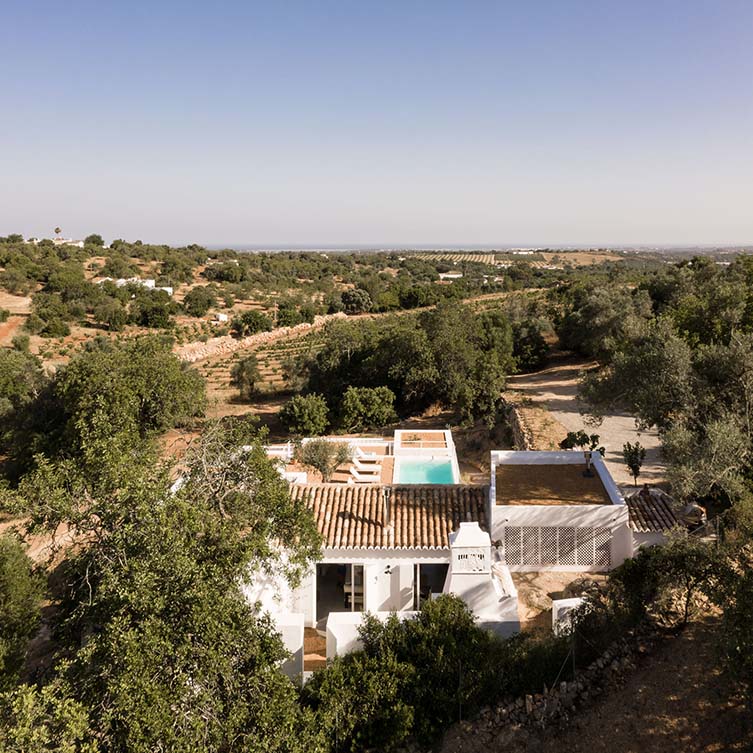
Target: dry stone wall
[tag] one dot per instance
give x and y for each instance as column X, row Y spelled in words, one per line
column 522, row 436
column 219, row 346
column 512, row 722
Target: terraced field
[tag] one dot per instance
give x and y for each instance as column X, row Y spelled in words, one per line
column 272, row 358
column 481, row 258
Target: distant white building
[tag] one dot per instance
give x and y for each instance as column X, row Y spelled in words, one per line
column 148, row 283
column 67, row 242
column 56, row 241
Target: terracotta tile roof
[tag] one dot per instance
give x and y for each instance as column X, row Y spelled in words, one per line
column 651, row 511
column 351, row 516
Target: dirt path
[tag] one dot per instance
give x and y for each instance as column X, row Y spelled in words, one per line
column 556, row 388
column 16, row 304
column 8, row 329
column 677, row 701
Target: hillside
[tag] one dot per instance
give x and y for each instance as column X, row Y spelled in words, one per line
column 676, row 700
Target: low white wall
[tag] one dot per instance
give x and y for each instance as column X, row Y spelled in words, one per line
column 342, row 630
column 342, row 633
column 607, row 481
column 291, row 629
column 562, row 610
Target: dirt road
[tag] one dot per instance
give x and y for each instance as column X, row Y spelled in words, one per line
column 556, row 388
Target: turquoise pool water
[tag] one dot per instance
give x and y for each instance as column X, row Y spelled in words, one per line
column 425, row 472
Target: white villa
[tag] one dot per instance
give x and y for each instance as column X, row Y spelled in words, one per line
column 399, row 528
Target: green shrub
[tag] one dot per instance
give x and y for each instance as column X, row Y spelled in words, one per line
column 380, row 720
column 365, row 408
column 199, row 300
column 21, row 342
column 21, row 590
column 356, row 301
column 44, row 720
column 305, row 415
column 529, row 347
column 111, row 314
column 249, row 323
column 56, row 328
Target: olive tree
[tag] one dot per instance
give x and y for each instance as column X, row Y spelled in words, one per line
column 244, row 375
column 162, row 647
column 326, row 457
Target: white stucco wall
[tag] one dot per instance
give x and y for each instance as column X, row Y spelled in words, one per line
column 342, row 631
column 291, row 629
column 304, row 598
column 614, row 517
column 377, row 588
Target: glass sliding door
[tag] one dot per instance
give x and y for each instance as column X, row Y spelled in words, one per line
column 353, row 588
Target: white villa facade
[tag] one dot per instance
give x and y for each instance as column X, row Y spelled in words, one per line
column 390, row 545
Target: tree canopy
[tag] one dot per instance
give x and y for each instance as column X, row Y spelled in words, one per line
column 119, row 392
column 451, row 355
column 159, row 642
column 21, row 589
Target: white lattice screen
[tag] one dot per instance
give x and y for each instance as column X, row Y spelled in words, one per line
column 562, row 545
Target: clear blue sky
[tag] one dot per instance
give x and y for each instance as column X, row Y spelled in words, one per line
column 322, row 123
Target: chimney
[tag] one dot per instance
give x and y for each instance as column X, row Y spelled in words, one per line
column 386, row 493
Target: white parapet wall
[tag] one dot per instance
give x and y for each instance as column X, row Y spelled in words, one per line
column 405, row 446
column 562, row 613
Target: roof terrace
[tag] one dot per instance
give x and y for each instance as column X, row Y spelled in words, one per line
column 551, row 478
column 548, row 485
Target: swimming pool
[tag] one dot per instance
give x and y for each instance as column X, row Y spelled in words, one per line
column 425, row 472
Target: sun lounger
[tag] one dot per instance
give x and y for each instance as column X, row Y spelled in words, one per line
column 367, row 467
column 361, row 455
column 365, row 478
